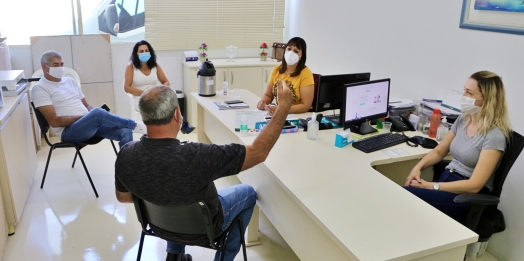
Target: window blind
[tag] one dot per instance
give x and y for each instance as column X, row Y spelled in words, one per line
column 185, row 24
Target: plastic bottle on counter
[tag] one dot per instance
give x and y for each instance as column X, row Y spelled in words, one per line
column 243, row 125
column 312, row 128
column 434, row 123
column 442, row 129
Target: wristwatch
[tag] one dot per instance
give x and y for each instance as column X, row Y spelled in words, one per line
column 436, row 186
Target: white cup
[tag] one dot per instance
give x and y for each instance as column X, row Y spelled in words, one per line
column 236, row 93
column 225, row 87
column 386, row 127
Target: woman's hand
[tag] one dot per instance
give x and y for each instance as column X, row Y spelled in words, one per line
column 271, row 109
column 421, row 184
column 414, row 176
column 261, row 105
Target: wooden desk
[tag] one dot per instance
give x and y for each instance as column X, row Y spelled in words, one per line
column 329, row 203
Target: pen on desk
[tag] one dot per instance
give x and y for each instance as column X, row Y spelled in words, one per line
column 395, row 102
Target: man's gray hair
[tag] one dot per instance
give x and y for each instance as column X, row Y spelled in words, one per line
column 47, row 56
column 158, row 105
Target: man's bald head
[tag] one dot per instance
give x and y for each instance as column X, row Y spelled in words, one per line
column 158, row 105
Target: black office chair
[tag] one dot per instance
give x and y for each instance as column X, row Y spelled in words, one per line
column 483, row 217
column 316, row 78
column 193, row 222
column 44, row 127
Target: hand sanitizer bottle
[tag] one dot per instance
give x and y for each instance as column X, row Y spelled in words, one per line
column 243, row 125
column 312, row 128
column 442, row 129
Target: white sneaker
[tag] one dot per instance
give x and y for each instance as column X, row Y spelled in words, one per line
column 140, row 127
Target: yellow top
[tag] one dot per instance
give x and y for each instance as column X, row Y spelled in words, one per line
column 305, row 78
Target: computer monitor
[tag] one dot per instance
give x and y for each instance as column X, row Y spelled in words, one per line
column 330, row 90
column 365, row 101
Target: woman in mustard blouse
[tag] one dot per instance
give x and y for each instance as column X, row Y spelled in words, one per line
column 294, row 73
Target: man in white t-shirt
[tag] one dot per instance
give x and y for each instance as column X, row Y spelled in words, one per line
column 69, row 115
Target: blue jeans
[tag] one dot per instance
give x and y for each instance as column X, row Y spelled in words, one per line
column 238, row 200
column 442, row 200
column 100, row 123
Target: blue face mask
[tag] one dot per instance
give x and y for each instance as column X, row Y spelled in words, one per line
column 144, row 57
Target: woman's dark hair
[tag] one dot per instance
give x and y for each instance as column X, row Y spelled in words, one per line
column 134, row 56
column 300, row 44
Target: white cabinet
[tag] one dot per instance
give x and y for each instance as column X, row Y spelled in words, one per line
column 89, row 55
column 249, row 73
column 266, row 72
column 3, row 227
column 17, row 156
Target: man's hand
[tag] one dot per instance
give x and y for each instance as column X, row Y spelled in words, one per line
column 57, row 121
column 284, row 97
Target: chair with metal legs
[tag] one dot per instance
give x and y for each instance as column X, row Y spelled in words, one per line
column 44, row 128
column 188, row 221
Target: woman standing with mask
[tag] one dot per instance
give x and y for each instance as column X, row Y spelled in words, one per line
column 144, row 72
column 477, row 141
column 295, row 74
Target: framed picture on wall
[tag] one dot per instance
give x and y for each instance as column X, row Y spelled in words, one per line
column 503, row 16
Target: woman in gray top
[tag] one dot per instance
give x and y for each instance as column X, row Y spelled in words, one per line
column 477, row 141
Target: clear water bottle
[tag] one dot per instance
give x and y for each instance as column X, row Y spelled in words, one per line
column 243, row 125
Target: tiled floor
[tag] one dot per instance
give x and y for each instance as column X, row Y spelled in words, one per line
column 66, row 222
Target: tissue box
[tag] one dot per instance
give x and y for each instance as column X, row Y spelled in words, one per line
column 343, row 138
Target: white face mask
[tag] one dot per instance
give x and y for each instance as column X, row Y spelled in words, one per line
column 57, row 72
column 291, row 57
column 468, row 105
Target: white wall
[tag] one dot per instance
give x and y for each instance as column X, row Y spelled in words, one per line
column 171, row 62
column 419, row 45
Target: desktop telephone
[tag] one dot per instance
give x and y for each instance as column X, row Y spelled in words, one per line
column 400, row 123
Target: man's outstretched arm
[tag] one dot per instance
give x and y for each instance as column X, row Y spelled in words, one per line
column 258, row 151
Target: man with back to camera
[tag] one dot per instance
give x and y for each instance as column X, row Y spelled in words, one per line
column 161, row 170
column 65, row 108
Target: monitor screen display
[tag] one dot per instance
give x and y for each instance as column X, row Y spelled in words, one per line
column 330, row 90
column 365, row 101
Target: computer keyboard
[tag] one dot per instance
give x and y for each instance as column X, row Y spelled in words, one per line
column 379, row 142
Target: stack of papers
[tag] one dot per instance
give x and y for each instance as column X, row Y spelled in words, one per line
column 225, row 106
column 445, row 111
column 450, row 104
column 395, row 102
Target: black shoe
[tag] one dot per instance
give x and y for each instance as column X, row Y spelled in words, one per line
column 178, row 257
column 186, row 128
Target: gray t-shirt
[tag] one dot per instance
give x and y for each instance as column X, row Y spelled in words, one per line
column 166, row 172
column 466, row 150
column 65, row 96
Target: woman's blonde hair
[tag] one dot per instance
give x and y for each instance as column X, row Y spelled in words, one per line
column 494, row 111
